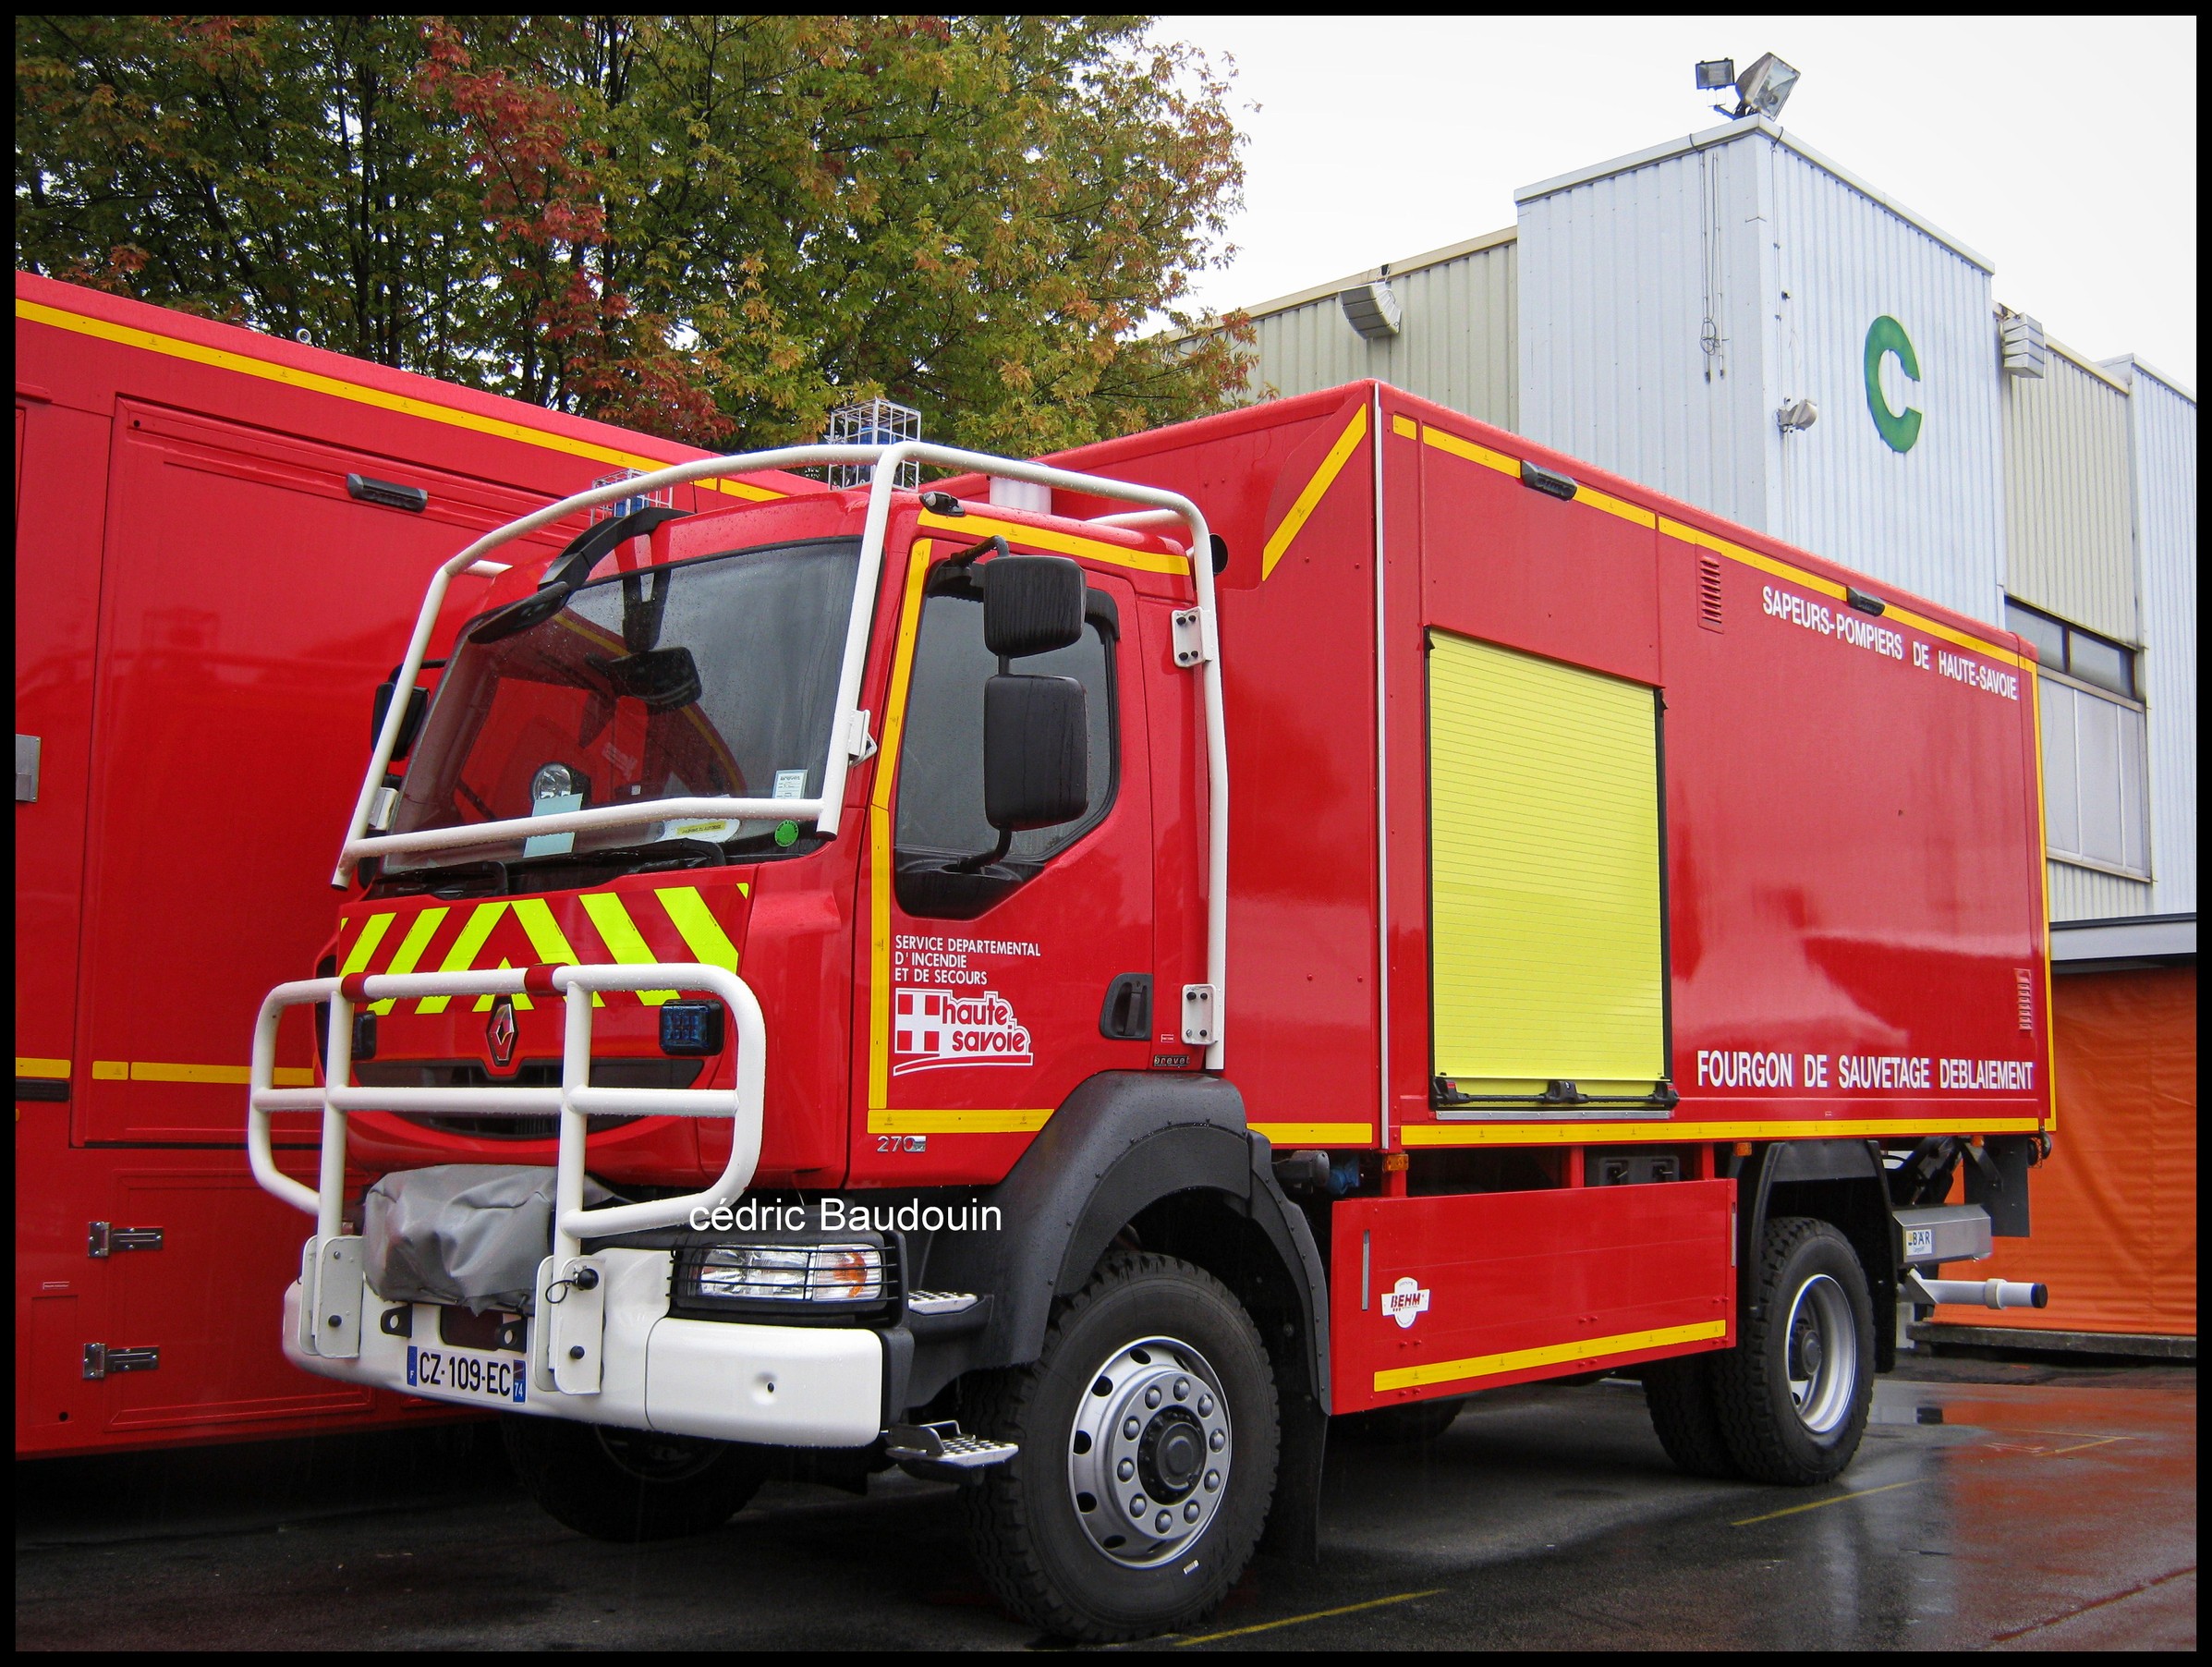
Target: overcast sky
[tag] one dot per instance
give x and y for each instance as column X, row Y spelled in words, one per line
column 2064, row 149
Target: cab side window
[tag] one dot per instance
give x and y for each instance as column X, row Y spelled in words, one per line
column 941, row 835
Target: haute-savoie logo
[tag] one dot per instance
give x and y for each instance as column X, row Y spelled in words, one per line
column 932, row 1027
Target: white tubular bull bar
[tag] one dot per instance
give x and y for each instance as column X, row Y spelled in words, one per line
column 574, row 1100
column 848, row 741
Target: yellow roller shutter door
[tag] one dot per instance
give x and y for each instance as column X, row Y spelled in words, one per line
column 1544, row 874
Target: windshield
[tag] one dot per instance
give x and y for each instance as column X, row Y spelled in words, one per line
column 714, row 678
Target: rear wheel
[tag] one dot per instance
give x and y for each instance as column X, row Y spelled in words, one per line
column 1398, row 1425
column 631, row 1485
column 1794, row 1394
column 1149, row 1435
column 1679, row 1394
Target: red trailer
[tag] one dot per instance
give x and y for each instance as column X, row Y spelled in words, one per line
column 1477, row 921
column 219, row 538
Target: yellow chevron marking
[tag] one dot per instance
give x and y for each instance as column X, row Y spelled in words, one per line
column 462, row 955
column 702, row 933
column 1316, row 488
column 420, row 930
column 364, row 947
column 621, row 935
column 522, row 1002
column 547, row 939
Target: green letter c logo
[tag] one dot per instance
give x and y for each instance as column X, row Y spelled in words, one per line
column 1898, row 429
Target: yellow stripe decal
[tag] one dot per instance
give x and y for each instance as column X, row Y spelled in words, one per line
column 45, row 1070
column 1595, row 499
column 462, row 955
column 315, row 382
column 702, row 933
column 1302, row 509
column 420, row 930
column 364, row 947
column 879, row 852
column 2034, row 683
column 111, row 1070
column 1720, row 546
column 623, row 939
column 522, row 1002
column 147, row 1070
column 1554, row 1354
column 1406, row 428
column 548, row 942
column 881, row 1122
column 1067, row 543
column 1318, row 1134
column 1658, row 1129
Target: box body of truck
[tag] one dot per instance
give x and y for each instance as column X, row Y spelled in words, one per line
column 219, row 537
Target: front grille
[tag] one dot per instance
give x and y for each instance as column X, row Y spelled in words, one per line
column 529, row 1074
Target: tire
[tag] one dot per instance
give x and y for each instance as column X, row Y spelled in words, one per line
column 631, row 1485
column 1792, row 1395
column 1153, row 1368
column 1679, row 1396
column 1414, row 1422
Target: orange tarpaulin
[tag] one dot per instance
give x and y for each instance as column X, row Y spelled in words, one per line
column 2114, row 1208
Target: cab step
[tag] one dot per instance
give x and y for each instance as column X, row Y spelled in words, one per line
column 939, row 1453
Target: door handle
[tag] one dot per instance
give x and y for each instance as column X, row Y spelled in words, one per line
column 1126, row 1014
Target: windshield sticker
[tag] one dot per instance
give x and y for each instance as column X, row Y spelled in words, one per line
column 934, row 1028
column 790, row 783
column 552, row 844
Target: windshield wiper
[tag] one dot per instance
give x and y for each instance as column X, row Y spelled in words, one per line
column 651, row 858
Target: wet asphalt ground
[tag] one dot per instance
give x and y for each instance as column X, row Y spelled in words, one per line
column 1993, row 1506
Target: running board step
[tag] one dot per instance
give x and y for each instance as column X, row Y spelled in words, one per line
column 939, row 1453
column 939, row 1302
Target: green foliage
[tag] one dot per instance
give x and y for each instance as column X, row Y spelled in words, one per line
column 715, row 228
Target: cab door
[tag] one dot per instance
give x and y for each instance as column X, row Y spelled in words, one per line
column 994, row 983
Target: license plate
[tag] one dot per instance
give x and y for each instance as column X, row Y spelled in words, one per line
column 461, row 1374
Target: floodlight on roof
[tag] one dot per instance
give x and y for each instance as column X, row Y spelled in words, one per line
column 1765, row 88
column 1715, row 73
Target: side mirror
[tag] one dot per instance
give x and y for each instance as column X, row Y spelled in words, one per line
column 1032, row 604
column 410, row 726
column 1035, row 752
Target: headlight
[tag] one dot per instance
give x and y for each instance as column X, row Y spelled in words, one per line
column 830, row 1277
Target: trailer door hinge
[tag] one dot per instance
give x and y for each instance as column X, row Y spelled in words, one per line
column 860, row 747
column 101, row 1239
column 1199, row 1025
column 100, row 1359
column 1192, row 646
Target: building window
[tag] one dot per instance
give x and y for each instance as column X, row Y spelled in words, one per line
column 2095, row 810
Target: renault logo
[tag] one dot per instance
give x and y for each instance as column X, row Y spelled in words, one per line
column 499, row 1031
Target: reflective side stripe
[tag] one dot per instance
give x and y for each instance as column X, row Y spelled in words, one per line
column 462, row 955
column 150, row 1070
column 881, row 1122
column 1318, row 1134
column 420, row 930
column 878, row 846
column 970, row 524
column 111, row 1070
column 622, row 938
column 1556, row 1354
column 1316, row 488
column 44, row 1070
column 38, row 313
column 364, row 947
column 701, row 931
column 547, row 939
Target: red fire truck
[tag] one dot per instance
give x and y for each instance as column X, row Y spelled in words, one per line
column 220, row 540
column 1073, row 977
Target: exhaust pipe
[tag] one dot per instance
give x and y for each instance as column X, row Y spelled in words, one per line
column 1982, row 1292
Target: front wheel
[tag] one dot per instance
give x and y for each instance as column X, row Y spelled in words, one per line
column 1148, row 1436
column 630, row 1485
column 1794, row 1394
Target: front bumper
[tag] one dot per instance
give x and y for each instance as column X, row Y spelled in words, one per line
column 778, row 1385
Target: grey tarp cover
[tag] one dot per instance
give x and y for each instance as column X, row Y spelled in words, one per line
column 464, row 1233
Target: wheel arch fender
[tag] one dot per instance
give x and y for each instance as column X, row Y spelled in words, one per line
column 1121, row 1144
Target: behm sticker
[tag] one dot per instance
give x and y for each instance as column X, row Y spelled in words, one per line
column 1405, row 1302
column 933, row 1027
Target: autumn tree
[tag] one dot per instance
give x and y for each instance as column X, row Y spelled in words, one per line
column 712, row 227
